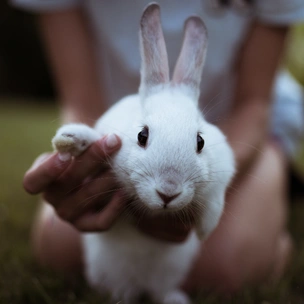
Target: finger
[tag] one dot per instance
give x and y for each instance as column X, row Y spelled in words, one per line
column 40, row 159
column 103, row 220
column 165, row 228
column 168, row 236
column 45, row 170
column 70, row 205
column 94, row 159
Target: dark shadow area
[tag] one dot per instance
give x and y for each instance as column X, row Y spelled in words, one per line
column 23, row 68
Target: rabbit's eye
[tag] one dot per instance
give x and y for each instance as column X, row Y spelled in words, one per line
column 143, row 136
column 200, row 143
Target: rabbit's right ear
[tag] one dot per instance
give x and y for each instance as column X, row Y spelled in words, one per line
column 189, row 66
column 154, row 59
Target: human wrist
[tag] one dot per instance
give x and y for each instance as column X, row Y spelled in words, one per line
column 247, row 141
column 87, row 115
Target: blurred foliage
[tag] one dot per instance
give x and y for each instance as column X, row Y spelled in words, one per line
column 295, row 55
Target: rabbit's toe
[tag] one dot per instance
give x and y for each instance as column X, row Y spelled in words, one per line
column 68, row 143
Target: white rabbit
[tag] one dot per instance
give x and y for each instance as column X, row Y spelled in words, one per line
column 171, row 161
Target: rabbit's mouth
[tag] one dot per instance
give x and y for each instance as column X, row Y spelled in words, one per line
column 155, row 206
column 165, row 197
column 186, row 215
column 158, row 207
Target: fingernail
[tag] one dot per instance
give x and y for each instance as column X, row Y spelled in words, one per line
column 62, row 160
column 111, row 141
column 65, row 156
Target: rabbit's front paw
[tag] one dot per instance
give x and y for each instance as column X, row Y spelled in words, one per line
column 73, row 139
column 176, row 297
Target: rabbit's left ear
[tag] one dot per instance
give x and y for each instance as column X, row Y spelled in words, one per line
column 154, row 59
column 189, row 66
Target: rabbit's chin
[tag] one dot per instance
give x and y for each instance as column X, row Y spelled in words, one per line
column 139, row 207
column 158, row 207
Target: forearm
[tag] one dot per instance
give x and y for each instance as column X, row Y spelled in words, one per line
column 247, row 132
column 248, row 124
column 73, row 63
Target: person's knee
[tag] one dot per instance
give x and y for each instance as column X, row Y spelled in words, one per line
column 242, row 249
column 247, row 260
column 55, row 243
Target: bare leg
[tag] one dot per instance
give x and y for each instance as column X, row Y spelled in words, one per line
column 56, row 243
column 251, row 243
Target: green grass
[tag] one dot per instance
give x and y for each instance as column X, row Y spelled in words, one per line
column 25, row 131
column 295, row 58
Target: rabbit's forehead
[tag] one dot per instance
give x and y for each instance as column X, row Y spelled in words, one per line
column 170, row 98
column 173, row 142
column 174, row 122
column 172, row 110
column 173, row 127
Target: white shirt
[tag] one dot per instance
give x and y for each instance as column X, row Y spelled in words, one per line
column 115, row 24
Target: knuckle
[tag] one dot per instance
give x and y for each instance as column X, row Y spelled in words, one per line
column 99, row 149
column 53, row 171
column 96, row 150
column 54, row 168
column 104, row 226
column 68, row 176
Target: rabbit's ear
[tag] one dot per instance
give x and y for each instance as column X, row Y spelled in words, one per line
column 154, row 65
column 189, row 66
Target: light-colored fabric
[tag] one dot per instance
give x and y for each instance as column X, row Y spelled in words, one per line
column 287, row 119
column 115, row 24
column 280, row 11
column 45, row 5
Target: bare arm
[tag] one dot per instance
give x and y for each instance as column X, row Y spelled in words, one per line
column 69, row 46
column 68, row 42
column 260, row 57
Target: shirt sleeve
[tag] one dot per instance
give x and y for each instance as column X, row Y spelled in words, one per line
column 280, row 12
column 44, row 5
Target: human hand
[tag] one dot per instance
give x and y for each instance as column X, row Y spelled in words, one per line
column 75, row 187
column 165, row 227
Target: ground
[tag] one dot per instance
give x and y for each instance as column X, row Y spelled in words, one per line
column 25, row 131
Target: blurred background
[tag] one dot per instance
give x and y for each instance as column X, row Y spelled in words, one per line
column 23, row 68
column 29, row 118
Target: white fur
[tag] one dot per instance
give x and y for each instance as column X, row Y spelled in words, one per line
column 73, row 139
column 123, row 260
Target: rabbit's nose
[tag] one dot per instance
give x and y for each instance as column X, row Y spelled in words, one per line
column 167, row 198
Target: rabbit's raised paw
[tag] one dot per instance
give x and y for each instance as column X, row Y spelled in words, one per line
column 73, row 139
